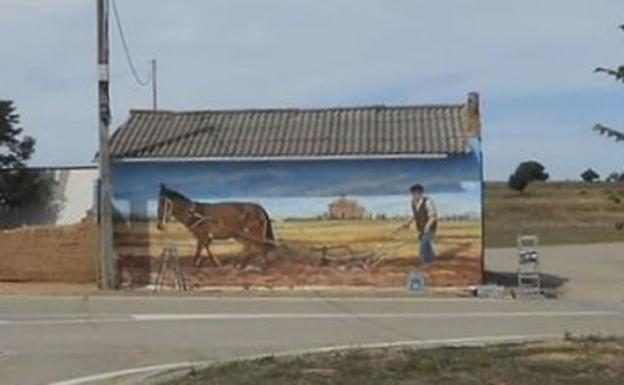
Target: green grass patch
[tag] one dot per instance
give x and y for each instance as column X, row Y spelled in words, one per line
column 572, row 361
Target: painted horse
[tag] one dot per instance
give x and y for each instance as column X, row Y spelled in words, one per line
column 247, row 223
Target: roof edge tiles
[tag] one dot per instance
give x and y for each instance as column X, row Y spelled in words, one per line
column 279, row 133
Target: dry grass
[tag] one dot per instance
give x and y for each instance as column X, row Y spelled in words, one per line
column 560, row 213
column 378, row 236
column 570, row 362
column 361, row 236
column 297, row 261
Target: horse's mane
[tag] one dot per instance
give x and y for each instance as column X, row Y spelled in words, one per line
column 172, row 194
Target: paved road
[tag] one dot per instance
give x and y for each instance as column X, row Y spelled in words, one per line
column 49, row 339
column 588, row 272
column 52, row 339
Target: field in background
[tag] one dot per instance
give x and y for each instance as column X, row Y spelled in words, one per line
column 558, row 212
column 377, row 254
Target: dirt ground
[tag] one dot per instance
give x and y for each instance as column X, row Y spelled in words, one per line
column 89, row 290
column 310, row 253
column 572, row 361
column 48, row 289
column 49, row 253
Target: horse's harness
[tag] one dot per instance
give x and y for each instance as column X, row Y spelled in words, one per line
column 197, row 217
column 200, row 218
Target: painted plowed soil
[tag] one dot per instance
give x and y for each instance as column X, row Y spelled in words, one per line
column 321, row 253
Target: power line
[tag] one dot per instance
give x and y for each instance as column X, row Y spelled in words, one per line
column 124, row 43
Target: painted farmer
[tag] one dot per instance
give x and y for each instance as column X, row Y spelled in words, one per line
column 426, row 219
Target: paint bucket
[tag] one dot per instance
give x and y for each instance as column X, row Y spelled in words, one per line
column 415, row 281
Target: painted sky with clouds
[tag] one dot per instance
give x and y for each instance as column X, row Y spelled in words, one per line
column 327, row 178
column 531, row 60
column 289, row 189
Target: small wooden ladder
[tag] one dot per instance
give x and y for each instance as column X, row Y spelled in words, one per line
column 169, row 261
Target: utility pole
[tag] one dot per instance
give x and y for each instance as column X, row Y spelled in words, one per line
column 108, row 266
column 154, row 86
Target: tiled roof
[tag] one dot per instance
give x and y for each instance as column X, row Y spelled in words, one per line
column 376, row 130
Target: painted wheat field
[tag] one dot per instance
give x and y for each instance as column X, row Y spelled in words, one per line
column 310, row 253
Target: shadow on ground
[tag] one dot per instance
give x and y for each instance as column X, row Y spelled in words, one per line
column 510, row 279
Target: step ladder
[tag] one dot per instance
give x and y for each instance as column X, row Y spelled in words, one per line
column 528, row 271
column 169, row 262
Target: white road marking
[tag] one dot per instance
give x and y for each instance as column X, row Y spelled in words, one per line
column 65, row 322
column 127, row 372
column 267, row 316
column 263, row 316
column 6, row 353
column 466, row 341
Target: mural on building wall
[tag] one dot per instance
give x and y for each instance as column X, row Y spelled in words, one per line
column 296, row 223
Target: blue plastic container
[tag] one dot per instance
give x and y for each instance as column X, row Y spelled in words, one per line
column 415, row 281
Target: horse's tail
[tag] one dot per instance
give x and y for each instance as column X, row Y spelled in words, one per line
column 269, row 236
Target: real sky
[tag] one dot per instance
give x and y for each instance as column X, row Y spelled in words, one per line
column 531, row 60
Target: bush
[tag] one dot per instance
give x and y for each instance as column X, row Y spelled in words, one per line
column 615, row 177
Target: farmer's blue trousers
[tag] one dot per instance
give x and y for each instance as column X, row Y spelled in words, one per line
column 426, row 247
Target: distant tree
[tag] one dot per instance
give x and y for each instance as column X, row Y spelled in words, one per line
column 15, row 149
column 525, row 173
column 517, row 183
column 532, row 170
column 590, row 175
column 614, row 177
column 19, row 186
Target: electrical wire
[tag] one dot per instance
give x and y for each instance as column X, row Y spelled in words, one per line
column 126, row 49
